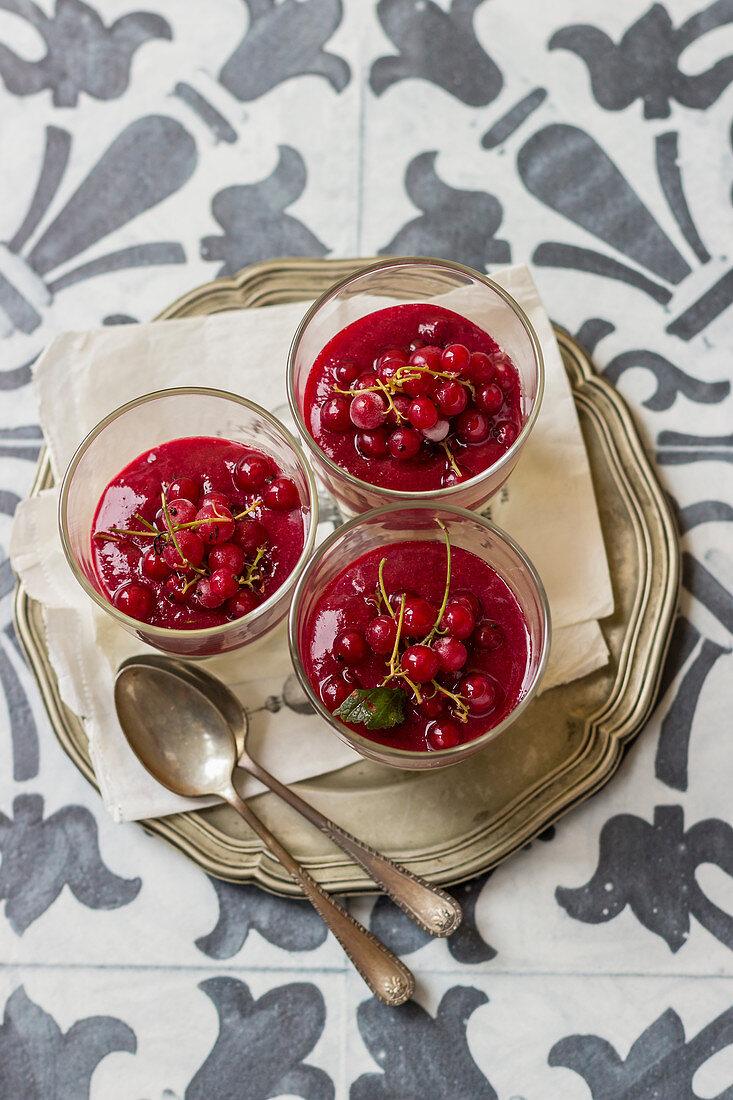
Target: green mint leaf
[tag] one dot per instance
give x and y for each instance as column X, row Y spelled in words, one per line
column 376, row 708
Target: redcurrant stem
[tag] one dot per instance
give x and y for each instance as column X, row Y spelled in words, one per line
column 460, row 702
column 412, row 371
column 409, row 373
column 250, row 508
column 418, row 696
column 149, row 526
column 451, row 459
column 391, row 407
column 428, row 639
column 172, row 531
column 252, row 574
column 123, row 531
column 396, row 647
column 382, row 589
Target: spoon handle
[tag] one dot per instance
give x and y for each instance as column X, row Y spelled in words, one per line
column 388, row 978
column 436, row 912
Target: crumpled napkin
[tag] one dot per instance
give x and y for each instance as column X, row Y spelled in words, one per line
column 547, row 505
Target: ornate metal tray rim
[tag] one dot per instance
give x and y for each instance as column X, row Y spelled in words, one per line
column 608, row 731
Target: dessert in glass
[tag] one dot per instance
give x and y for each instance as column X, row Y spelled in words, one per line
column 419, row 633
column 414, row 379
column 187, row 515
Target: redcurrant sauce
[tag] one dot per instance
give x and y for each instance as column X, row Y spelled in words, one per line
column 350, row 600
column 137, row 490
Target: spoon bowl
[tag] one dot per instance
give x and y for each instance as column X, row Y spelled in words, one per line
column 191, row 757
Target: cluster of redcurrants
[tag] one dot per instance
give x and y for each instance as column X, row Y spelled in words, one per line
column 437, row 667
column 422, row 395
column 207, row 553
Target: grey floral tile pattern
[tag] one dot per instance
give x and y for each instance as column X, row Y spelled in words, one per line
column 149, row 150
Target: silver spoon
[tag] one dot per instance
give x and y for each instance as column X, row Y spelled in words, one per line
column 186, row 744
column 436, row 912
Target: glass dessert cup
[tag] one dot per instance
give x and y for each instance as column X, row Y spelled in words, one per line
column 415, row 280
column 150, row 421
column 398, row 524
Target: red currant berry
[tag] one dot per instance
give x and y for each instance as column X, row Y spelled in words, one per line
column 504, row 372
column 177, row 589
column 387, row 365
column 183, row 487
column 134, row 599
column 217, row 524
column 191, row 547
column 404, row 443
column 181, row 511
column 479, row 691
column 455, row 359
column 458, row 620
column 451, row 654
column 489, row 398
column 335, row 414
column 163, row 524
column 346, row 373
column 205, row 596
column 419, row 617
column 333, row 692
column 423, row 413
column 420, row 663
column 365, row 381
column 223, row 583
column 430, row 706
column 489, row 635
column 480, row 368
column 473, row 426
column 381, row 634
column 367, row 410
column 214, row 498
column 395, row 600
column 388, row 370
column 241, row 604
column 443, row 734
column 155, row 566
column 250, row 534
column 281, row 495
column 398, row 354
column 351, row 648
column 416, row 345
column 252, row 471
column 419, row 383
column 429, row 357
column 439, row 431
column 229, row 556
column 505, row 433
column 469, row 600
column 450, row 397
column 372, row 444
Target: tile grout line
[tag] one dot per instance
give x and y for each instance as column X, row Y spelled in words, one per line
column 360, row 160
column 335, row 969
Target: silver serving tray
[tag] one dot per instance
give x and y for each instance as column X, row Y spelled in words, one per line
column 451, row 824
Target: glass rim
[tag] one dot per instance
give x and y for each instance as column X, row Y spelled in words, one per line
column 166, row 632
column 405, row 755
column 417, row 495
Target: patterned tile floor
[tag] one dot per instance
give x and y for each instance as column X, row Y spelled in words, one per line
column 144, row 153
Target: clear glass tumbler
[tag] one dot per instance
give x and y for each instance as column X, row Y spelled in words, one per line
column 145, row 423
column 412, row 279
column 394, row 523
